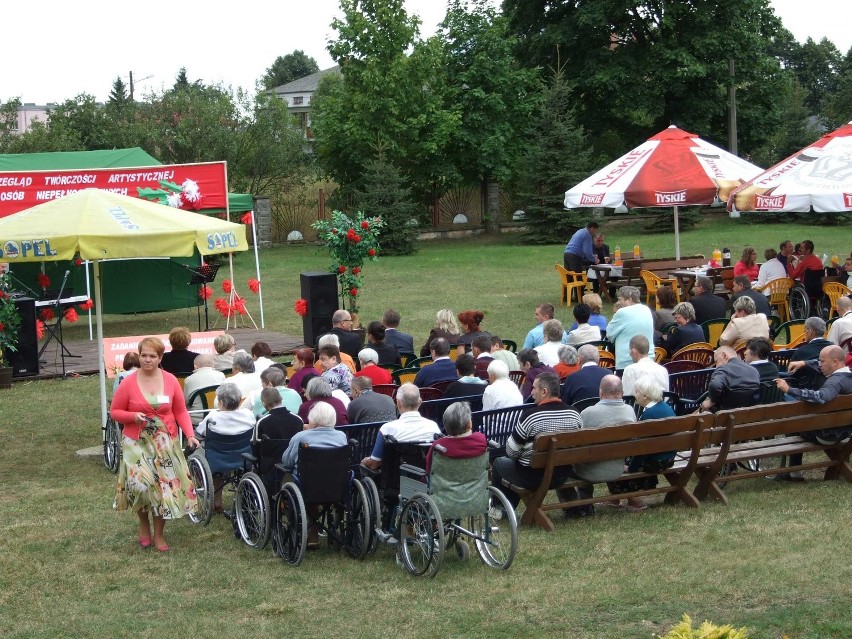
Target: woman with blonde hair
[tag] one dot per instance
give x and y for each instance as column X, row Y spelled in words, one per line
column 446, row 326
column 595, row 304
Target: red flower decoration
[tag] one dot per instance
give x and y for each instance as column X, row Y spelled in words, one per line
column 334, row 231
column 239, row 305
column 71, row 315
column 88, row 305
column 356, row 270
column 2, row 327
column 39, row 329
column 46, row 314
column 226, row 286
column 365, row 224
column 371, row 252
column 301, row 306
column 254, row 285
column 43, row 280
column 246, row 219
column 341, row 269
column 78, row 261
column 205, row 293
column 222, row 306
column 353, row 291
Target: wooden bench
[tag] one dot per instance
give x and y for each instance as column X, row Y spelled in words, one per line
column 616, row 442
column 659, row 266
column 770, row 432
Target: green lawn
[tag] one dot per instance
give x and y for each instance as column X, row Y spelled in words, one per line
column 775, row 559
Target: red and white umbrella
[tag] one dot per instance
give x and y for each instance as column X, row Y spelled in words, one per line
column 673, row 168
column 818, row 177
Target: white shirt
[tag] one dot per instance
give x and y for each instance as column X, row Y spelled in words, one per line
column 548, row 353
column 582, row 334
column 841, row 329
column 501, row 394
column 770, row 270
column 644, row 367
column 227, row 422
column 410, row 427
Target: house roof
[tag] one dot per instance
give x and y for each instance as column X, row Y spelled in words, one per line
column 307, row 84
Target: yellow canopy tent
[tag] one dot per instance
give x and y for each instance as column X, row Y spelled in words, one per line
column 98, row 225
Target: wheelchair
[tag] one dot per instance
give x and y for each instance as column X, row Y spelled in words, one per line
column 325, row 484
column 112, row 444
column 436, row 512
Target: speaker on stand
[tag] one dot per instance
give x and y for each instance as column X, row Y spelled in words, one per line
column 24, row 361
column 320, row 291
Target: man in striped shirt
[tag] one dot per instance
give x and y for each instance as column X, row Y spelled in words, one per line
column 549, row 415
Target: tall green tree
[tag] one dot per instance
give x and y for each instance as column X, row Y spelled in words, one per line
column 288, row 68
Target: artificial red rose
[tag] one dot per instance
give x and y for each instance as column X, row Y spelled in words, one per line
column 226, row 286
column 365, row 224
column 247, row 219
column 341, row 269
column 334, row 231
column 88, row 305
column 78, row 262
column 301, row 306
column 371, row 252
column 46, row 314
column 2, row 327
column 239, row 305
column 254, row 285
column 222, row 306
column 353, row 291
column 356, row 270
column 39, row 329
column 71, row 315
column 205, row 292
column 43, row 280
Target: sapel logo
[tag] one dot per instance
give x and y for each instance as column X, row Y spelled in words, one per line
column 11, row 250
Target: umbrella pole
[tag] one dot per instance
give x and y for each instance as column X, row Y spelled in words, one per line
column 677, row 235
column 257, row 268
column 100, row 326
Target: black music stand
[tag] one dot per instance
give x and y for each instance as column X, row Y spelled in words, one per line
column 204, row 274
column 55, row 331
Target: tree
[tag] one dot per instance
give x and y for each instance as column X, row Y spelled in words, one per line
column 181, row 80
column 288, row 68
column 795, row 130
column 816, row 67
column 557, row 157
column 118, row 96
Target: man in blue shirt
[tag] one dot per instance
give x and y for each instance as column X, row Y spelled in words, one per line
column 580, row 252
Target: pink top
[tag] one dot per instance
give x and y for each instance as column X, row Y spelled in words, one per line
column 740, row 268
column 129, row 400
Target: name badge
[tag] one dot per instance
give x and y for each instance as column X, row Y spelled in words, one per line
column 163, row 399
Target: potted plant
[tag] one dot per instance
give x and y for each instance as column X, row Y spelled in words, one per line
column 350, row 241
column 10, row 323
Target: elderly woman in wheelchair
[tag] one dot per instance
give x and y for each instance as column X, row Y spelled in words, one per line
column 446, row 499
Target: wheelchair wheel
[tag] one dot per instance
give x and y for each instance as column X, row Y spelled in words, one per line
column 800, row 305
column 251, row 510
column 357, row 533
column 112, row 445
column 375, row 513
column 290, row 538
column 421, row 544
column 496, row 531
column 202, row 479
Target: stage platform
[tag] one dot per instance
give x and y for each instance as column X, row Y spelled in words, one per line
column 87, row 362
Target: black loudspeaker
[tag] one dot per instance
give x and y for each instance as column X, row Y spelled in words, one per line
column 24, row 361
column 320, row 291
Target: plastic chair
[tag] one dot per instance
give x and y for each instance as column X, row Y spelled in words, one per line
column 606, row 359
column 420, row 362
column 660, row 354
column 518, row 377
column 653, row 282
column 789, row 334
column 835, row 290
column 406, row 356
column 386, row 389
column 779, row 293
column 740, row 347
column 510, row 345
column 695, row 354
column 572, row 282
column 683, row 366
column 405, row 375
column 713, row 329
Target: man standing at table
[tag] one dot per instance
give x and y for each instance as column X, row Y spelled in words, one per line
column 579, row 252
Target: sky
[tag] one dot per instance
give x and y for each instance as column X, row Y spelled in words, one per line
column 60, row 49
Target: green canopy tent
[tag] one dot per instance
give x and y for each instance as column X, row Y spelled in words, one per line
column 132, row 286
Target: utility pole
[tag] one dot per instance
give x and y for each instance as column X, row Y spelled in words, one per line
column 147, row 77
column 732, row 108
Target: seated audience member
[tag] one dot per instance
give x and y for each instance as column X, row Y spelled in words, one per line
column 643, row 366
column 367, row 406
column 388, row 354
column 129, row 365
column 303, row 364
column 274, row 377
column 468, row 383
column 706, row 305
column 403, row 341
column 331, row 339
column 734, row 384
column 470, row 322
column 446, row 327
column 319, row 432
column 481, row 350
column 846, row 273
column 261, row 353
column 785, row 250
column 442, row 367
column 548, row 415
column 584, row 332
column 532, row 367
column 799, row 264
column 410, row 427
column 499, row 351
column 687, row 331
column 319, row 390
column 666, row 300
column 649, row 395
column 742, row 288
column 585, row 382
column 227, row 419
column 535, row 337
column 225, row 347
column 348, row 341
column 336, row 373
column 369, row 360
column 747, row 264
column 633, row 318
column 271, row 434
column 245, row 377
column 569, row 361
column 809, row 376
column 745, row 323
column 501, row 391
column 460, row 442
column 548, row 352
column 204, row 376
column 595, row 304
column 757, row 355
column 841, row 328
column 179, row 360
column 772, row 269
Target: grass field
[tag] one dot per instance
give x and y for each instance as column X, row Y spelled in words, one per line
column 776, row 559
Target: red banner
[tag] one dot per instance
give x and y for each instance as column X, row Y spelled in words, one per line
column 192, row 187
column 116, row 347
